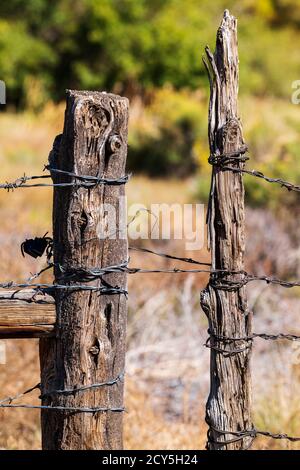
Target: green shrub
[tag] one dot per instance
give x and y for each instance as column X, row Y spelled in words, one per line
column 132, row 46
column 163, row 137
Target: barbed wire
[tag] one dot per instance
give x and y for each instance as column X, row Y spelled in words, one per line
column 221, row 160
column 279, row 336
column 68, row 391
column 240, row 435
column 79, row 274
column 47, row 288
column 258, row 174
column 248, row 339
column 20, row 395
column 168, row 256
column 21, row 182
column 83, row 181
column 88, row 179
column 83, row 388
column 237, row 156
column 218, row 282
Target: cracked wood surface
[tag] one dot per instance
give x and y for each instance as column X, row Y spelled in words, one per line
column 229, row 403
column 90, row 341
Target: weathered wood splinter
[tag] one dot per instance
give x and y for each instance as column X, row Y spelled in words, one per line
column 229, row 403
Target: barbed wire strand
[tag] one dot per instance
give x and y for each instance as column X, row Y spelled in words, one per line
column 239, row 435
column 83, row 388
column 95, row 273
column 168, row 256
column 238, row 156
column 258, row 174
column 68, row 391
column 84, row 181
column 249, row 339
column 220, row 160
column 279, row 336
column 105, row 290
column 20, row 395
column 90, row 179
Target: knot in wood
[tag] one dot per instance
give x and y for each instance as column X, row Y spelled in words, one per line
column 230, row 135
column 114, row 143
column 96, row 119
column 94, row 350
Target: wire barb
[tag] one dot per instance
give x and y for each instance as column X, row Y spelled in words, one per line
column 164, row 255
column 80, row 181
column 248, row 339
column 83, row 388
column 88, row 180
column 267, row 337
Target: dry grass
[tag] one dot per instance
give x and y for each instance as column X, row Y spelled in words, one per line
column 167, row 365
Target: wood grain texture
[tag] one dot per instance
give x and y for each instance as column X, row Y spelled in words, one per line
column 229, row 403
column 90, row 343
column 23, row 317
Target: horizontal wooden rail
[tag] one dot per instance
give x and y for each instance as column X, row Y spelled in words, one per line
column 23, row 317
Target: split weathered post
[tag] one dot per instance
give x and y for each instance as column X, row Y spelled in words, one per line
column 224, row 300
column 89, row 346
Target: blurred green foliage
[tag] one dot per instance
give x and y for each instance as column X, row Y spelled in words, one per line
column 150, row 50
column 165, row 136
column 132, row 46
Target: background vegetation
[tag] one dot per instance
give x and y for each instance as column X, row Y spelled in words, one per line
column 133, row 46
column 150, row 50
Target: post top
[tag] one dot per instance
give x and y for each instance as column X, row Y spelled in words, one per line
column 227, row 15
column 93, row 94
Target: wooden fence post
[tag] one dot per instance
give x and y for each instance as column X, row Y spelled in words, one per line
column 225, row 304
column 89, row 347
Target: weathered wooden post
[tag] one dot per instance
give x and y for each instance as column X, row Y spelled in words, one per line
column 89, row 346
column 224, row 300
